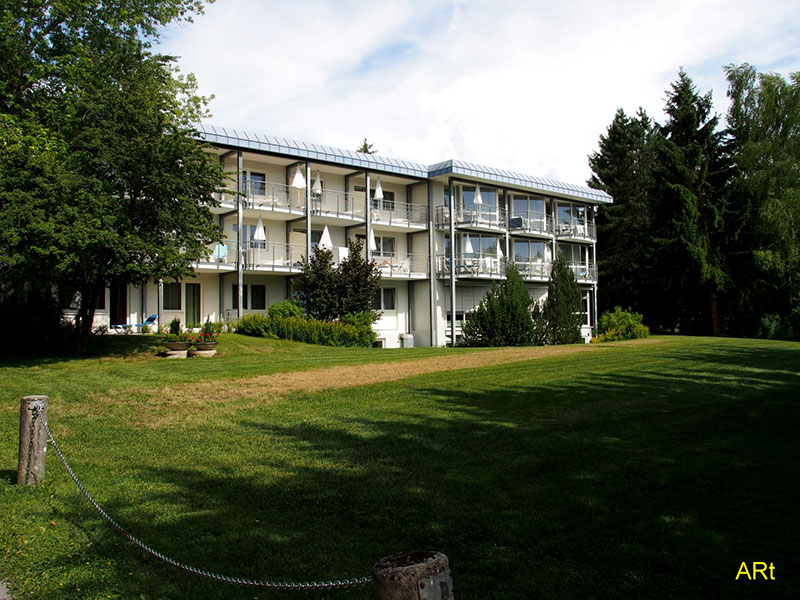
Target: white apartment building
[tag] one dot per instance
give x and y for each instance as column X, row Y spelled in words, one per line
column 439, row 234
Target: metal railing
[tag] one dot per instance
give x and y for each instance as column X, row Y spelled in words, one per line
column 583, row 271
column 534, row 269
column 472, row 265
column 530, row 222
column 575, row 229
column 483, row 216
column 259, row 255
column 267, row 195
column 402, row 265
column 333, row 203
column 399, row 213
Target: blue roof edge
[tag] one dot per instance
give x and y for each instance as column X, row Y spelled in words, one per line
column 294, row 148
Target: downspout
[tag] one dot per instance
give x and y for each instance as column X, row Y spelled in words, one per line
column 431, row 268
column 239, row 237
column 452, row 265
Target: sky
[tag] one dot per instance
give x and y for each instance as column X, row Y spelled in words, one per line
column 527, row 86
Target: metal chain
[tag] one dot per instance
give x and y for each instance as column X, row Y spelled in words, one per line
column 278, row 585
column 34, row 415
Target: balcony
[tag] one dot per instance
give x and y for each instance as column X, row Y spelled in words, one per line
column 584, row 272
column 575, row 230
column 472, row 266
column 477, row 217
column 333, row 206
column 267, row 196
column 393, row 216
column 402, row 266
column 534, row 270
column 531, row 223
column 257, row 256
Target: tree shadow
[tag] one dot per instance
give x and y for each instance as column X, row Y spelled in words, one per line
column 645, row 485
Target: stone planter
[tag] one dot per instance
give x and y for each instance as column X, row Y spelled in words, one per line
column 206, row 346
column 177, row 345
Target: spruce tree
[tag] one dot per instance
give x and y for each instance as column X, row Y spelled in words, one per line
column 503, row 318
column 562, row 309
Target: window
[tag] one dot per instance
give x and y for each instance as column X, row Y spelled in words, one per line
column 258, row 297
column 236, row 296
column 525, row 250
column 248, row 233
column 385, row 245
column 258, row 184
column 384, row 299
column 488, row 197
column 172, row 296
column 386, row 204
column 482, row 245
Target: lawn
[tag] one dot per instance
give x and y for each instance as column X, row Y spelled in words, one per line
column 630, row 470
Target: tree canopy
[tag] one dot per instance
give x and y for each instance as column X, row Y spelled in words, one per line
column 101, row 177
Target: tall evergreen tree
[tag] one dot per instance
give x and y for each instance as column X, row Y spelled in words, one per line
column 689, row 206
column 623, row 167
column 562, row 309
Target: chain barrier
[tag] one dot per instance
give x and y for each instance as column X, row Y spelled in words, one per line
column 34, row 415
column 276, row 585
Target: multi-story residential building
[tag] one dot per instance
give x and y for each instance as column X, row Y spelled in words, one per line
column 439, row 235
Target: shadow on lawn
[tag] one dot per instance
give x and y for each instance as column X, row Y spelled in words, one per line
column 604, row 486
column 99, row 346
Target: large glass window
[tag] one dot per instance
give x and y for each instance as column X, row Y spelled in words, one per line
column 172, row 296
column 236, row 296
column 525, row 250
column 385, row 245
column 384, row 299
column 478, row 244
column 258, row 297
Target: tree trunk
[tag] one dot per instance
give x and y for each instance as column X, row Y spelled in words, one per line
column 713, row 302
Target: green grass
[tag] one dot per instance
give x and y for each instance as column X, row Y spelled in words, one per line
column 645, row 471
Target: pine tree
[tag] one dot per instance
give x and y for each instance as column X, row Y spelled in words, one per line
column 562, row 309
column 503, row 318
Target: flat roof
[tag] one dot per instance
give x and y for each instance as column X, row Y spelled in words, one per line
column 243, row 140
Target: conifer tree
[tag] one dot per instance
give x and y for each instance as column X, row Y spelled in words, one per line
column 562, row 309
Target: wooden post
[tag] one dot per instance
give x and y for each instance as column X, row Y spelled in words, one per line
column 32, row 440
column 413, row 576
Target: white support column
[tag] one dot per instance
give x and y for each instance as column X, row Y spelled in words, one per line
column 369, row 219
column 308, row 210
column 452, row 265
column 239, row 237
column 431, row 268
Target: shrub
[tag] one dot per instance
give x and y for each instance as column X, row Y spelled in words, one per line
column 175, row 326
column 287, row 308
column 562, row 309
column 503, row 318
column 621, row 325
column 363, row 323
column 313, row 331
column 254, row 325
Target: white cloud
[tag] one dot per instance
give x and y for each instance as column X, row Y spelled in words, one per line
column 527, row 86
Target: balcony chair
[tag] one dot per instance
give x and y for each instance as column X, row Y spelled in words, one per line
column 128, row 328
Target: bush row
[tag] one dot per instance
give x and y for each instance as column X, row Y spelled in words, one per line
column 353, row 330
column 621, row 325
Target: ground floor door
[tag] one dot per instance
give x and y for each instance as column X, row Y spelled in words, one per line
column 118, row 311
column 193, row 305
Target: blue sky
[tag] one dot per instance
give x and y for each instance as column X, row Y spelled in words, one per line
column 521, row 85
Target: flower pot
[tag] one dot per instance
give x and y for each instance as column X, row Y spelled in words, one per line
column 206, row 345
column 177, row 345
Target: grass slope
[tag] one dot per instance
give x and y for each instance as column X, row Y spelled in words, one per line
column 632, row 471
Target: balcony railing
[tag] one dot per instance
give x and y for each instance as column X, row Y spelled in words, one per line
column 402, row 265
column 584, row 272
column 259, row 255
column 333, row 203
column 399, row 213
column 575, row 229
column 530, row 222
column 479, row 216
column 472, row 265
column 534, row 269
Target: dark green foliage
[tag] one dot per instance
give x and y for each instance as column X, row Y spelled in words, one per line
column 31, row 320
column 562, row 308
column 101, row 179
column 503, row 318
column 363, row 324
column 287, row 308
column 621, row 325
column 356, row 332
column 329, row 293
column 175, row 326
column 539, row 325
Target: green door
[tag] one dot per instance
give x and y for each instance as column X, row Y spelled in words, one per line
column 193, row 305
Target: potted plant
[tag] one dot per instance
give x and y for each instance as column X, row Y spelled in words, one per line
column 180, row 341
column 205, row 341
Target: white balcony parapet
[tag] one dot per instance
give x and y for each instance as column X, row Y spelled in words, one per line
column 472, row 265
column 258, row 255
column 267, row 195
column 584, row 272
column 531, row 222
column 401, row 214
column 478, row 216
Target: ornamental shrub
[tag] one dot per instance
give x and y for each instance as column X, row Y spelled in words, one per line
column 313, row 331
column 621, row 325
column 254, row 325
column 287, row 308
column 175, row 326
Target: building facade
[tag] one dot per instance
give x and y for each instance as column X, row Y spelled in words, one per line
column 439, row 235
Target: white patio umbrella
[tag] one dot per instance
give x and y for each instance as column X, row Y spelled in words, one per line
column 317, row 187
column 260, row 234
column 468, row 249
column 378, row 190
column 325, row 240
column 299, row 182
column 478, row 197
column 373, row 246
column 499, row 251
